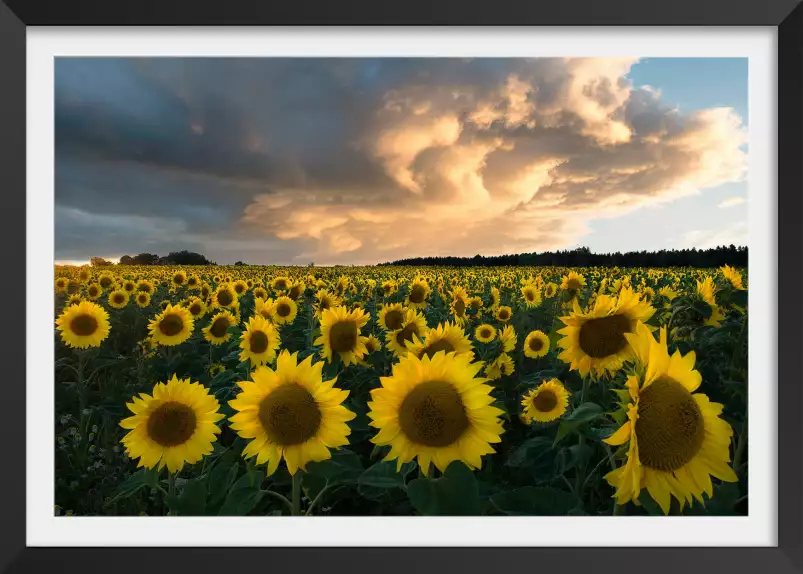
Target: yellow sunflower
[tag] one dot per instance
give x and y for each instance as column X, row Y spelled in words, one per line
column 413, row 324
column 508, row 338
column 61, row 284
column 196, row 307
column 146, row 286
column 94, row 291
column 391, row 316
column 545, row 403
column 284, row 310
column 119, row 298
column 240, row 287
column 224, row 297
column 500, row 367
column 496, row 298
column 340, row 333
column 326, row 300
column 372, row 345
column 260, row 342
column 706, row 291
column 290, row 413
column 260, row 293
column 106, row 281
column 733, row 277
column 172, row 326
column 435, row 410
column 173, row 426
column 445, row 337
column 594, row 341
column 83, row 325
column 485, row 333
column 179, row 279
column 217, row 332
column 142, row 299
column 536, row 344
column 417, row 294
column 531, row 295
column 280, row 283
column 503, row 313
column 677, row 439
column 458, row 305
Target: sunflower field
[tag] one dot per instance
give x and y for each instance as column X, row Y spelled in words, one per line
column 400, row 391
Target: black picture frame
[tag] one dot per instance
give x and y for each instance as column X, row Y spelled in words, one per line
column 786, row 15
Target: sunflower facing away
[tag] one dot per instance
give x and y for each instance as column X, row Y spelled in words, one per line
column 260, row 342
column 594, row 341
column 545, row 403
column 445, row 337
column 733, row 277
column 83, row 325
column 677, row 439
column 536, row 345
column 508, row 338
column 290, row 413
column 340, row 333
column 173, row 426
column 436, row 410
column 172, row 326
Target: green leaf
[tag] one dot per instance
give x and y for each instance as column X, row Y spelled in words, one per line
column 243, row 496
column 141, row 479
column 456, row 493
column 583, row 414
column 649, row 505
column 191, row 501
column 384, row 475
column 220, row 479
column 530, row 452
column 534, row 500
column 344, row 466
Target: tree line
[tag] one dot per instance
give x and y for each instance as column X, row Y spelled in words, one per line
column 583, row 257
column 173, row 258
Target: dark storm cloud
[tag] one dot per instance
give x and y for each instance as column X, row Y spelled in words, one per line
column 347, row 160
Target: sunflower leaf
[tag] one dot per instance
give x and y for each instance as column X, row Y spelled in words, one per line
column 456, row 493
column 583, row 414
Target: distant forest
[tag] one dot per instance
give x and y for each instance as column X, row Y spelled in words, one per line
column 583, row 257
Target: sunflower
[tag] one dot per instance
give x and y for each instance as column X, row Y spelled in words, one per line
column 475, row 304
column 536, row 344
column 372, row 344
column 260, row 293
column 733, row 277
column 142, row 299
column 340, row 333
column 706, row 291
column 280, row 283
column 179, row 279
column 206, row 291
column 83, row 274
column 677, row 439
column 445, row 337
column 147, row 346
column 215, row 369
column 417, row 294
column 485, row 333
column 295, row 290
column 531, row 296
column 388, row 288
column 391, row 317
column 217, row 332
column 413, row 324
column 118, row 299
column 496, row 298
column 83, row 325
column 61, row 284
column 239, row 287
column 572, row 282
column 290, row 413
column 193, row 282
column 264, row 308
column 459, row 304
column 172, row 326
column 500, row 367
column 326, row 300
column 284, row 310
column 129, row 286
column 648, row 294
column 503, row 313
column 508, row 338
column 146, row 286
column 260, row 342
column 174, row 425
column 594, row 340
column 545, row 403
column 716, row 316
column 196, row 307
column 163, row 304
column 224, row 297
column 94, row 291
column 436, row 410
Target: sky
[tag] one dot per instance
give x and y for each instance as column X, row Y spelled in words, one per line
column 360, row 161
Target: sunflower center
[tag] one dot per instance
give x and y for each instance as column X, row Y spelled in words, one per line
column 604, row 336
column 670, row 429
column 281, row 284
column 343, row 336
column 393, row 319
column 171, row 325
column 439, row 345
column 178, row 279
column 119, row 298
column 219, row 327
column 295, row 291
column 239, row 289
column 259, row 342
column 459, row 307
column 283, row 310
column 225, row 298
column 485, row 333
column 290, row 415
column 171, row 424
column 573, row 284
column 433, row 414
column 195, row 309
column 476, row 305
column 529, row 295
column 545, row 401
column 406, row 334
column 504, row 315
column 83, row 325
column 417, row 294
column 73, row 287
column 536, row 344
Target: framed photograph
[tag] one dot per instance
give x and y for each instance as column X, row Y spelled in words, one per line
column 359, row 284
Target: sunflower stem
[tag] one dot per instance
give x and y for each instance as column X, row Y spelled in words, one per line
column 740, row 445
column 296, row 507
column 283, row 499
column 171, row 489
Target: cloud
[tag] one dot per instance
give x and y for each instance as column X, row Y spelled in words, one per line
column 731, row 202
column 735, row 234
column 368, row 160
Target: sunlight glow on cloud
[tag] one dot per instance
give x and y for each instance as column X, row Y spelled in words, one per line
column 731, row 202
